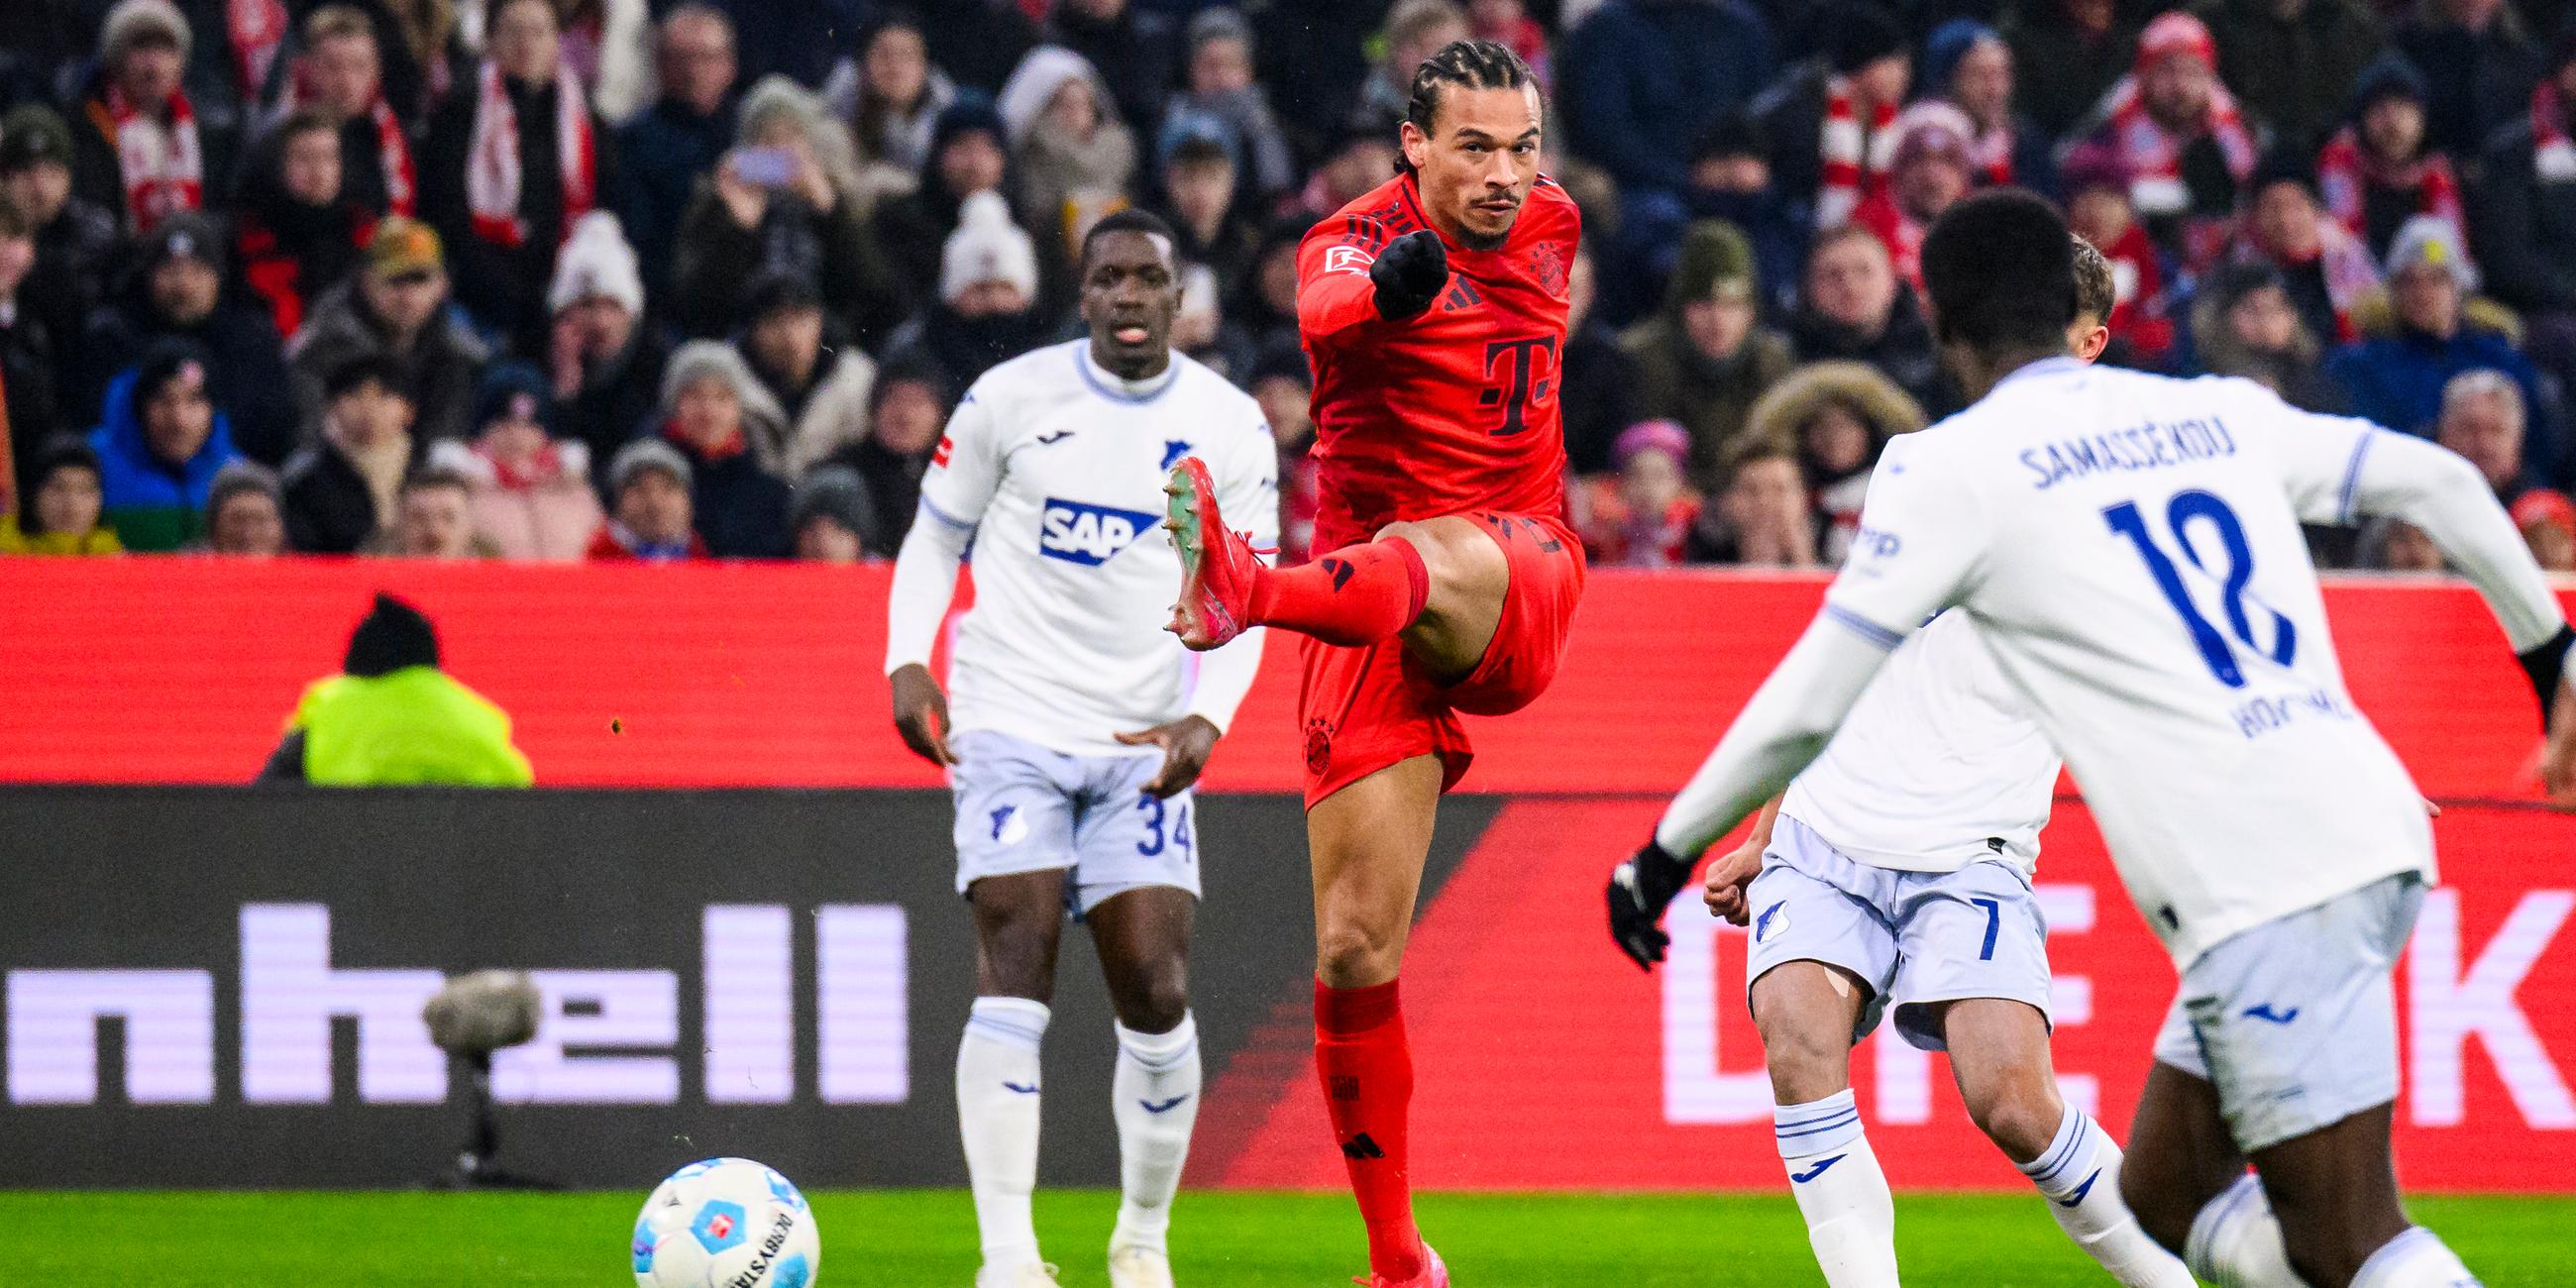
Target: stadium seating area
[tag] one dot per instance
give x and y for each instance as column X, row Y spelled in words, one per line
column 629, row 279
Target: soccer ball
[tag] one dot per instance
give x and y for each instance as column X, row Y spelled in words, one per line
column 726, row 1223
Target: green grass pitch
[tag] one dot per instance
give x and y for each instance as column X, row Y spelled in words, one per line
column 898, row 1239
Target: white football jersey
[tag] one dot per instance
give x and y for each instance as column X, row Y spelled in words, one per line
column 1057, row 468
column 1938, row 765
column 2128, row 547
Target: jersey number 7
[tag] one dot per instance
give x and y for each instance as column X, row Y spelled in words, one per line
column 2214, row 648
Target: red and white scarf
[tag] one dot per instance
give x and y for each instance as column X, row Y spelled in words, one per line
column 492, row 160
column 258, row 30
column 2553, row 155
column 2346, row 170
column 163, row 168
column 393, row 147
column 2153, row 154
column 1856, row 160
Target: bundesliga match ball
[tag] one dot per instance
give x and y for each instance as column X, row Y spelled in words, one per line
column 726, row 1223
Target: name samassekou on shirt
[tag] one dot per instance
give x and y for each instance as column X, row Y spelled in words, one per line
column 2144, row 447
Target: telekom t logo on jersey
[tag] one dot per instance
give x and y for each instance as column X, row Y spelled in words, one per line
column 1525, row 374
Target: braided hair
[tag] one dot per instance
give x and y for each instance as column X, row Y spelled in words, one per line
column 1467, row 64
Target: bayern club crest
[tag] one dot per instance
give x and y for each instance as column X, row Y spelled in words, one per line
column 1547, row 260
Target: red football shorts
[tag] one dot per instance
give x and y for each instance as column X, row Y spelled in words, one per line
column 1364, row 709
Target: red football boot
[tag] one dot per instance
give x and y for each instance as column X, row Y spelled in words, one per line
column 1217, row 564
column 1434, row 1275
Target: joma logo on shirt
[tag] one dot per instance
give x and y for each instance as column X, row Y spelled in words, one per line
column 1088, row 534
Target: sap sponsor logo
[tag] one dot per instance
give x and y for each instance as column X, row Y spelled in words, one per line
column 2465, row 1021
column 604, row 1037
column 1078, row 532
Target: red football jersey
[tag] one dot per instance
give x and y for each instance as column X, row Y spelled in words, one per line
column 1454, row 410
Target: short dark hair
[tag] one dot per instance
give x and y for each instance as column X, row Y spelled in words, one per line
column 312, row 118
column 2097, row 292
column 1131, row 220
column 2000, row 269
column 430, row 476
column 1467, row 64
column 377, row 368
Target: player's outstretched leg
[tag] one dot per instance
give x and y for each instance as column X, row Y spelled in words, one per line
column 1143, row 936
column 1806, row 1011
column 1999, row 1054
column 1439, row 583
column 1369, row 841
column 1017, row 922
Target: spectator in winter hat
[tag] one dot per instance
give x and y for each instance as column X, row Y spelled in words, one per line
column 2327, row 269
column 733, row 434
column 2244, row 322
column 2378, row 171
column 62, row 513
column 745, row 224
column 1853, row 306
column 2547, row 519
column 298, row 231
column 1839, row 415
column 907, row 409
column 821, row 384
column 967, row 157
column 2397, row 379
column 1220, row 100
column 2293, row 61
column 650, row 518
column 605, row 365
column 1968, row 65
column 245, row 513
column 177, row 292
column 342, row 490
column 2178, row 134
column 395, row 306
column 159, row 447
column 1704, row 358
column 670, row 146
column 1073, row 159
column 140, row 152
column 510, row 163
column 2098, row 209
column 1643, row 515
column 831, row 518
column 1932, row 170
column 529, row 494
column 1832, row 124
column 987, row 310
column 74, row 239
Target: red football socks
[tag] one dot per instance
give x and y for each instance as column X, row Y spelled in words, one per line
column 1354, row 596
column 1367, row 1072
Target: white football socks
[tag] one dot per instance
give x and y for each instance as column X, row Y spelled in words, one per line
column 1155, row 1099
column 2079, row 1174
column 997, row 1114
column 2235, row 1243
column 2414, row 1259
column 1851, row 1218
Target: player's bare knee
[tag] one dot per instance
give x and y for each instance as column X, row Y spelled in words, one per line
column 1809, row 1055
column 1355, row 954
column 1015, row 955
column 2020, row 1115
column 1155, row 1000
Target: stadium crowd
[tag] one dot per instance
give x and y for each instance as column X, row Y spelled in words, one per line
column 644, row 280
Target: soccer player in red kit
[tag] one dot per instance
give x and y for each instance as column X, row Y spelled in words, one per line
column 1434, row 312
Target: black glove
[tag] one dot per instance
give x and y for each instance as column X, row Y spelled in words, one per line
column 1408, row 275
column 2544, row 665
column 1639, row 891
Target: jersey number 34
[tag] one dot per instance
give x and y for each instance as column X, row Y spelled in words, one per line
column 2213, row 513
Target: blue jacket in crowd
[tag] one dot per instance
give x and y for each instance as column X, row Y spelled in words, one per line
column 151, row 505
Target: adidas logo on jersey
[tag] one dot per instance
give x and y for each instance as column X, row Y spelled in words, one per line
column 1089, row 534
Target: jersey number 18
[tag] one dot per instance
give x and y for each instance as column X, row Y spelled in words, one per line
column 2214, row 648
